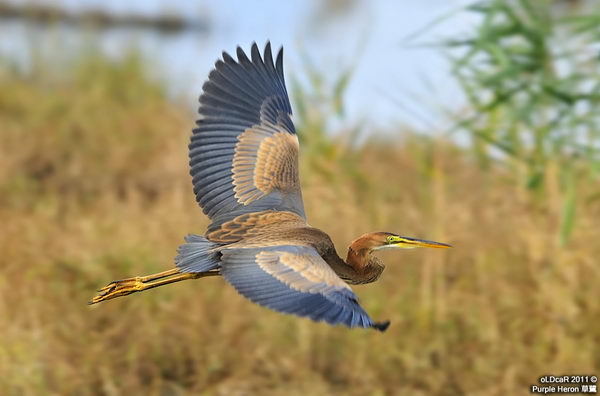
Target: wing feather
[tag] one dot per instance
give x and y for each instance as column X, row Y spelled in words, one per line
column 295, row 280
column 244, row 151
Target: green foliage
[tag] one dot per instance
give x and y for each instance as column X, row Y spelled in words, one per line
column 532, row 79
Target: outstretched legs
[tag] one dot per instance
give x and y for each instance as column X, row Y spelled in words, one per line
column 127, row 286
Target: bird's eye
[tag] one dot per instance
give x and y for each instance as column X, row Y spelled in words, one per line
column 390, row 239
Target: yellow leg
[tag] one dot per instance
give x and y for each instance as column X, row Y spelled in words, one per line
column 127, row 286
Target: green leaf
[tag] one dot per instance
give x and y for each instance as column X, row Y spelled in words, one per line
column 535, row 180
column 338, row 91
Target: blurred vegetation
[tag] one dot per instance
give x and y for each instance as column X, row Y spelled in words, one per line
column 48, row 13
column 94, row 186
column 318, row 111
column 531, row 74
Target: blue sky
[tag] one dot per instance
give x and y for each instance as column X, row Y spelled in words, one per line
column 393, row 81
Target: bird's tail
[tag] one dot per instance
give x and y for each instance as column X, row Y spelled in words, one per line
column 197, row 254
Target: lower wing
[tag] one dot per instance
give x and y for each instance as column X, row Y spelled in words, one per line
column 295, row 280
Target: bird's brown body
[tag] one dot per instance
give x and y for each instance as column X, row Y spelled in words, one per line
column 269, row 228
column 244, row 168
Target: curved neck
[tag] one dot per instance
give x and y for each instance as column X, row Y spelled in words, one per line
column 360, row 266
column 359, row 251
column 367, row 268
column 357, row 259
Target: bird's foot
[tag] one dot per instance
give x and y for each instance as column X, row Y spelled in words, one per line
column 127, row 286
column 119, row 288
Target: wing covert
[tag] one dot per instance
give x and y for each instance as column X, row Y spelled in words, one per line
column 294, row 280
column 244, row 151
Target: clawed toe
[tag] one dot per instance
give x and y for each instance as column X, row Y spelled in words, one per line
column 106, row 288
column 117, row 289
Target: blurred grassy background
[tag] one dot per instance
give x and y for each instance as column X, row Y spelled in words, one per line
column 94, row 186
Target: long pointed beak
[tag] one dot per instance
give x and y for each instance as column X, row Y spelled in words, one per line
column 407, row 243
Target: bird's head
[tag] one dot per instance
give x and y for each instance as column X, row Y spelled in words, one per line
column 386, row 240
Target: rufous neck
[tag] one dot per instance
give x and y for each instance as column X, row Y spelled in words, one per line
column 357, row 258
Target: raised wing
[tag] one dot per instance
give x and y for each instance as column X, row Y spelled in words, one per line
column 244, row 151
column 295, row 280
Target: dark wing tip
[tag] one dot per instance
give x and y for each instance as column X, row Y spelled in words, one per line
column 255, row 56
column 228, row 58
column 381, row 326
column 241, row 55
column 255, row 53
column 279, row 62
column 268, row 56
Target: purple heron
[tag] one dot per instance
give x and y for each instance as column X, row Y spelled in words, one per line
column 243, row 158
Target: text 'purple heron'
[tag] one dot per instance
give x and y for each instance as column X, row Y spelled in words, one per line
column 244, row 164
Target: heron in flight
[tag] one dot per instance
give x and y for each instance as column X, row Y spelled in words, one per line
column 243, row 158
